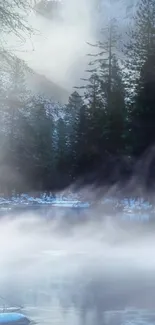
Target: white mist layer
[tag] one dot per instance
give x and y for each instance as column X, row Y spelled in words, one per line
column 30, row 242
column 96, row 265
column 58, row 49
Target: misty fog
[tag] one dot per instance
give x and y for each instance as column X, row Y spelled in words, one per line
column 83, row 270
column 64, row 269
column 58, row 49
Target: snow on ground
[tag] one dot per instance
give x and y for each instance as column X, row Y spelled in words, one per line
column 128, row 206
column 43, row 199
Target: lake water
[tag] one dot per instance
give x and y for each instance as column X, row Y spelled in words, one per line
column 95, row 273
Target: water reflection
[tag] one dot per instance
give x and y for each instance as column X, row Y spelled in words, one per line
column 88, row 298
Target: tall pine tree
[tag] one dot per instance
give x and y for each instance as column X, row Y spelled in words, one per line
column 141, row 76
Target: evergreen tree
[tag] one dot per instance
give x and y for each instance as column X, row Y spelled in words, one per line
column 140, row 77
column 76, row 129
column 140, row 45
column 72, row 109
column 143, row 114
column 81, row 142
column 61, row 143
column 116, row 117
column 16, row 98
column 13, row 104
column 95, row 102
column 106, row 95
column 106, row 50
column 38, row 136
column 62, row 156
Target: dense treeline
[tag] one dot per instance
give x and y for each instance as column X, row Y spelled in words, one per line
column 101, row 133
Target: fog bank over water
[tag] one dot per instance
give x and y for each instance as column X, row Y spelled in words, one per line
column 94, row 266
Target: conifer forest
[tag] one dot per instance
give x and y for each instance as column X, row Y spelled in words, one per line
column 105, row 130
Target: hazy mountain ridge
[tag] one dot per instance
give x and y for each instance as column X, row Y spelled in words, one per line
column 37, row 86
column 41, row 85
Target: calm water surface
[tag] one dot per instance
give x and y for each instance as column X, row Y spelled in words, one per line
column 84, row 286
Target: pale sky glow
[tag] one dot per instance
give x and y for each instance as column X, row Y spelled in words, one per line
column 56, row 49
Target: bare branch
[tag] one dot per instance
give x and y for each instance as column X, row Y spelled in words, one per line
column 13, row 17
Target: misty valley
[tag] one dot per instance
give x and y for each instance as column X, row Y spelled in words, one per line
column 77, row 162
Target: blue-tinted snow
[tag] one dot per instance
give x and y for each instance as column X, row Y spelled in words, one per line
column 129, row 208
column 44, row 199
column 10, row 317
column 129, row 203
column 71, row 204
column 126, row 203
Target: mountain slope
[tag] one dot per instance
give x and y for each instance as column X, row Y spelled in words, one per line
column 42, row 86
column 38, row 84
